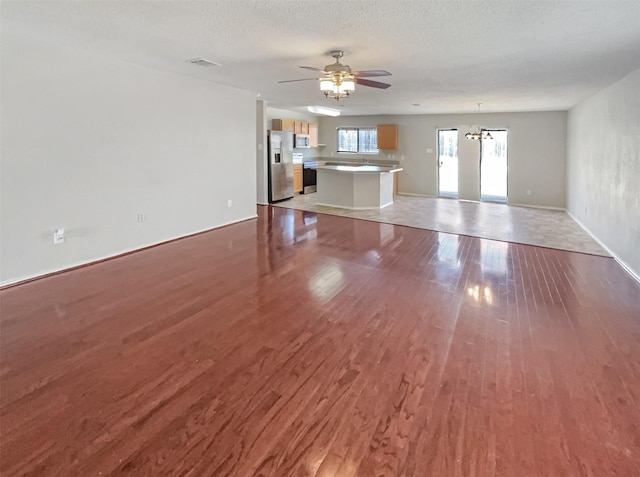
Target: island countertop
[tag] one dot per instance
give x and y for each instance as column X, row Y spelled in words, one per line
column 358, row 168
column 355, row 185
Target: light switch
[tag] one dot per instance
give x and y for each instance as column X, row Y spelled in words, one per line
column 58, row 236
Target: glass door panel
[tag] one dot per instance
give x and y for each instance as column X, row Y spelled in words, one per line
column 448, row 163
column 493, row 167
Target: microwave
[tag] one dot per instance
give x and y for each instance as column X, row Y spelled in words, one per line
column 301, row 140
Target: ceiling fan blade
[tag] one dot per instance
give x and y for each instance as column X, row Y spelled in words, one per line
column 303, row 79
column 373, row 84
column 311, row 68
column 370, row 73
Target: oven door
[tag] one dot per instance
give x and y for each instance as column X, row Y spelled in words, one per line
column 309, row 176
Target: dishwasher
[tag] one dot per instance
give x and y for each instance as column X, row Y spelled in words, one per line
column 309, row 177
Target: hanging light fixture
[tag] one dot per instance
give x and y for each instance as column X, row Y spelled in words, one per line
column 338, row 85
column 479, row 134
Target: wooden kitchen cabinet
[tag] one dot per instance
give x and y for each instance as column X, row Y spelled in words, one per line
column 295, row 126
column 300, row 127
column 387, row 136
column 297, row 178
column 283, row 125
column 313, row 135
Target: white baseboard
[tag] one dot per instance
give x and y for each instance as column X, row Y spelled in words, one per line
column 335, row 206
column 85, row 263
column 411, row 194
column 545, row 207
column 621, row 262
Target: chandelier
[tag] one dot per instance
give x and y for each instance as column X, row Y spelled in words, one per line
column 478, row 135
column 338, row 84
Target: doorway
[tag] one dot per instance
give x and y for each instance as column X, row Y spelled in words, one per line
column 493, row 166
column 448, row 163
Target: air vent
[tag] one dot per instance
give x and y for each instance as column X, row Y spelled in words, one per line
column 203, row 62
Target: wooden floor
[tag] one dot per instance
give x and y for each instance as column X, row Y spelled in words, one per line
column 315, row 345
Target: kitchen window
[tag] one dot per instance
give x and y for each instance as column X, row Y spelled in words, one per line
column 362, row 140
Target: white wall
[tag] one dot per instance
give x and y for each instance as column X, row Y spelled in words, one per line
column 88, row 142
column 603, row 161
column 262, row 195
column 536, row 152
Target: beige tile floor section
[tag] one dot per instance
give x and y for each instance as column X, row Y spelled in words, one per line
column 542, row 227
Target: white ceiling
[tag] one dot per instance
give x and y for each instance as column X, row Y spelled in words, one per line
column 447, row 56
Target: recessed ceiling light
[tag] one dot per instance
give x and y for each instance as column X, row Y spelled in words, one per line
column 416, row 104
column 203, row 62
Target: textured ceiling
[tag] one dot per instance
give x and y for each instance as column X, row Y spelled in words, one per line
column 446, row 56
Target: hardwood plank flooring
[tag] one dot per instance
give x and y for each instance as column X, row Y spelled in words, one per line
column 303, row 344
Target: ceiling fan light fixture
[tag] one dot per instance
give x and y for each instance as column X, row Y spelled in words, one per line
column 339, row 81
column 347, row 86
column 324, row 111
column 326, row 85
column 337, row 85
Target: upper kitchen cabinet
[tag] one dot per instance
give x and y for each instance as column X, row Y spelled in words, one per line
column 301, row 127
column 387, row 136
column 313, row 135
column 283, row 125
column 295, row 126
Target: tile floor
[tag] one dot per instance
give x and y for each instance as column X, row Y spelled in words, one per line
column 541, row 227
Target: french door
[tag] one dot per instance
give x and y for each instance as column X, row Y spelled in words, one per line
column 448, row 163
column 493, row 166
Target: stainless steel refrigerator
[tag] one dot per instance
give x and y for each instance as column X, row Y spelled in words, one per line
column 280, row 165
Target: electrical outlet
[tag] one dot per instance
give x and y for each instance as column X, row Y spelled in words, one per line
column 229, row 203
column 58, row 236
column 142, row 217
column 528, row 191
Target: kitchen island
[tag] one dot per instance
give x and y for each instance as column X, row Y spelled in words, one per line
column 355, row 186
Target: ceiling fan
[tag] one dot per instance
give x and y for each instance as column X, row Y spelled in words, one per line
column 339, row 81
